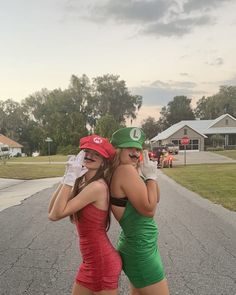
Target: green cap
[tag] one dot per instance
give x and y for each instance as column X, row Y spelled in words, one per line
column 128, row 137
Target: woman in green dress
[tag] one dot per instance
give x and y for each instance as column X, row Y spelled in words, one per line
column 134, row 197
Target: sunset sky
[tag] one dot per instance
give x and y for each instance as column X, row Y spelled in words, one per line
column 161, row 48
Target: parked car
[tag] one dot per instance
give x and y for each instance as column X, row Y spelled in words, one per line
column 171, row 148
column 4, row 152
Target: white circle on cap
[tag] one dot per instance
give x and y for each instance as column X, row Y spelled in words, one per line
column 135, row 134
column 97, row 140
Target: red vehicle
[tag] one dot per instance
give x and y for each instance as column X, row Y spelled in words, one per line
column 151, row 156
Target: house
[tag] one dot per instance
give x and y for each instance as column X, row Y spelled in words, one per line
column 14, row 147
column 200, row 133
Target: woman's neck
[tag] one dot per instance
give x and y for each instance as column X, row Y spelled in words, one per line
column 90, row 174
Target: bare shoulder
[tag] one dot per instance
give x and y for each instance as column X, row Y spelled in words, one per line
column 98, row 187
column 125, row 169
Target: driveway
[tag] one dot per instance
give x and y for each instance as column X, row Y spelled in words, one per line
column 200, row 158
column 14, row 191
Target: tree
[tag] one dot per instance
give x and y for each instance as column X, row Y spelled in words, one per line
column 106, row 125
column 150, row 127
column 207, row 108
column 112, row 97
column 176, row 110
column 66, row 115
column 216, row 105
column 3, row 119
column 13, row 119
column 217, row 140
column 60, row 115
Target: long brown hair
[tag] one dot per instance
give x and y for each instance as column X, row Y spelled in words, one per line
column 116, row 162
column 103, row 172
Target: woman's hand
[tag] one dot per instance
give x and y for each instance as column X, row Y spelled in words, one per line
column 74, row 169
column 148, row 168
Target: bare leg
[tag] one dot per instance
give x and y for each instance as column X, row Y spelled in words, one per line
column 107, row 292
column 160, row 288
column 133, row 291
column 80, row 290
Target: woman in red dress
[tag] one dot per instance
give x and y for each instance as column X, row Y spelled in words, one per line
column 88, row 207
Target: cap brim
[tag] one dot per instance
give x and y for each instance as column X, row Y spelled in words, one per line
column 130, row 145
column 94, row 147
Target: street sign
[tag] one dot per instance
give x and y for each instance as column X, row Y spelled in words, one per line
column 49, row 140
column 185, row 140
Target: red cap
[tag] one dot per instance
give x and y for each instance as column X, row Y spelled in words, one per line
column 98, row 144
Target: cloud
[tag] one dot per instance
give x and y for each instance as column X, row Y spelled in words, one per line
column 216, row 62
column 130, row 11
column 149, row 17
column 145, row 112
column 178, row 27
column 159, row 93
column 202, row 5
column 230, row 82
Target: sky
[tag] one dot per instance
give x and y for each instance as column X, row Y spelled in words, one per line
column 161, row 48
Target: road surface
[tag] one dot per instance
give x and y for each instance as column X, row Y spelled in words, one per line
column 197, row 242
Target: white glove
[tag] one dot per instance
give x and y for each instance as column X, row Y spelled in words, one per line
column 148, row 168
column 74, row 169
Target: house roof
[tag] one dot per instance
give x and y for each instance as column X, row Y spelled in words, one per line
column 202, row 127
column 11, row 143
column 220, row 118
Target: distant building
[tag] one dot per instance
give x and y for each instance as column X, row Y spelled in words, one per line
column 14, row 147
column 200, row 133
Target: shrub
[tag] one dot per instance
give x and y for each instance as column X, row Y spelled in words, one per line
column 67, row 150
column 212, row 149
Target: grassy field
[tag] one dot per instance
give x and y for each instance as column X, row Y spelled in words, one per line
column 215, row 182
column 31, row 171
column 230, row 154
column 54, row 158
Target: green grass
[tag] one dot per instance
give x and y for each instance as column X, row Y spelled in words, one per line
column 54, row 158
column 230, row 154
column 215, row 182
column 31, row 171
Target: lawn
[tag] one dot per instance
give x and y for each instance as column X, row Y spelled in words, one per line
column 54, row 158
column 31, row 171
column 215, row 182
column 230, row 154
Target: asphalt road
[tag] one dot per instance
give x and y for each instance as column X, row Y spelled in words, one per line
column 197, row 242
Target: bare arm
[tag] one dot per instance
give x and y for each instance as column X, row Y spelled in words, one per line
column 53, row 198
column 144, row 197
column 63, row 206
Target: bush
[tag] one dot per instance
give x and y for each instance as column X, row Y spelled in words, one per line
column 212, row 149
column 68, row 150
column 230, row 147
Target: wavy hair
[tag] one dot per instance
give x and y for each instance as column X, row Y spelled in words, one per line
column 103, row 172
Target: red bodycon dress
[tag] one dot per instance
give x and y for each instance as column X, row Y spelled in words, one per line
column 102, row 264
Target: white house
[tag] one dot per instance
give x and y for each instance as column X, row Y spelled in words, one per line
column 14, row 146
column 199, row 133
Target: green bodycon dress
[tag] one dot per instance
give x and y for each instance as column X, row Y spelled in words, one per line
column 137, row 246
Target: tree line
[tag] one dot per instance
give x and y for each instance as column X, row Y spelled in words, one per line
column 180, row 108
column 101, row 105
